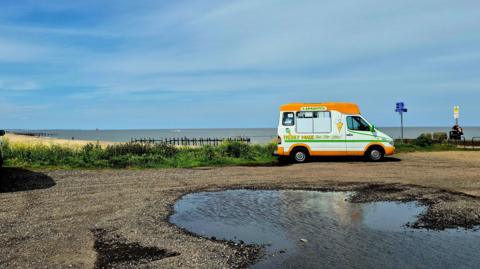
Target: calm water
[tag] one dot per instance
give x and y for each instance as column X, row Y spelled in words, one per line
column 339, row 234
column 258, row 135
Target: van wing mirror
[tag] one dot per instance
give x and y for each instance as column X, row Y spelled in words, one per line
column 2, row 132
column 372, row 128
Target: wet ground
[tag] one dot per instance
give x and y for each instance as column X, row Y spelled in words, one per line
column 114, row 252
column 312, row 229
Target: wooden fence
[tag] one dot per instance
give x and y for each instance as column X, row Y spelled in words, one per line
column 184, row 141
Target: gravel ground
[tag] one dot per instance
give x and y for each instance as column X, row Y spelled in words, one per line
column 119, row 218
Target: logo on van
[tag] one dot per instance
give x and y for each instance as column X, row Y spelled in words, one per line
column 313, row 108
column 339, row 126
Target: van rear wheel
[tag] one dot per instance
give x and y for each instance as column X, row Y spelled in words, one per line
column 374, row 154
column 299, row 155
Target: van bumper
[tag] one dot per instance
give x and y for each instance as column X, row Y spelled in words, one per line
column 389, row 150
column 279, row 151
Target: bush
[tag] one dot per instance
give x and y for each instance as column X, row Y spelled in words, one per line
column 236, row 149
column 440, row 136
column 424, row 140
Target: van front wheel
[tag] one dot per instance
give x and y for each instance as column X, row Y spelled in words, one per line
column 374, row 154
column 299, row 155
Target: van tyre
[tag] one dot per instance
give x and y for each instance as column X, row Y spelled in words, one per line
column 374, row 154
column 299, row 155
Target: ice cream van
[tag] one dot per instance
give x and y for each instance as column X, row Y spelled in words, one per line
column 328, row 129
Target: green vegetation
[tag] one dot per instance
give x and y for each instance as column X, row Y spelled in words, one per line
column 135, row 155
column 427, row 142
column 402, row 148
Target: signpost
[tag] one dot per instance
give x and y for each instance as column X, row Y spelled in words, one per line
column 456, row 114
column 400, row 108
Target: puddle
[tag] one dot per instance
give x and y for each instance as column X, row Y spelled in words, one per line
column 310, row 229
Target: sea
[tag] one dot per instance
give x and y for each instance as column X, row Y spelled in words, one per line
column 257, row 135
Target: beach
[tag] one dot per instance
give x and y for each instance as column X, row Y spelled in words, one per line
column 48, row 141
column 78, row 218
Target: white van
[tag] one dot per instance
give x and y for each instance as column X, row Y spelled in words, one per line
column 329, row 129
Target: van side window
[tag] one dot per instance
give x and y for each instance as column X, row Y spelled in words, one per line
column 322, row 122
column 314, row 122
column 356, row 123
column 288, row 119
column 305, row 122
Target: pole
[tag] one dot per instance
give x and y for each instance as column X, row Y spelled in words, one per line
column 401, row 125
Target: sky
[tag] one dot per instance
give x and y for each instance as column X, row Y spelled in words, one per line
column 230, row 64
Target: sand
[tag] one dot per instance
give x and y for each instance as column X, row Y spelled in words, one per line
column 24, row 139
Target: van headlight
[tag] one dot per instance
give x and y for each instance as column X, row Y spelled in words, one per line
column 391, row 142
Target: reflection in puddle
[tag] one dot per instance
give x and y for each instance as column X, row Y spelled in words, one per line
column 310, row 229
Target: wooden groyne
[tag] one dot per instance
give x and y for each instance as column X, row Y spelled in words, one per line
column 32, row 133
column 185, row 141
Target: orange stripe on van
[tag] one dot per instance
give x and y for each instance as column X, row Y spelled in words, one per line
column 337, row 153
column 345, row 108
column 387, row 150
column 282, row 152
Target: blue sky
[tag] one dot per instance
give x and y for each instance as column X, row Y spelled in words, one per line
column 215, row 64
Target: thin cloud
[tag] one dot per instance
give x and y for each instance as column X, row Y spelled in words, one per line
column 194, row 53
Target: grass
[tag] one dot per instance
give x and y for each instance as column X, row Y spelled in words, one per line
column 403, row 148
column 134, row 155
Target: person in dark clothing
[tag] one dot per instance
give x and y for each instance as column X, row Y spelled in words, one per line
column 456, row 133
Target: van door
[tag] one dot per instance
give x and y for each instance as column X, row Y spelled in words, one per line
column 358, row 134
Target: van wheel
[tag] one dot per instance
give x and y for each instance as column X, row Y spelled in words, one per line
column 374, row 154
column 299, row 155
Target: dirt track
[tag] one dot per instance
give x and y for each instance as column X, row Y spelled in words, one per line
column 84, row 219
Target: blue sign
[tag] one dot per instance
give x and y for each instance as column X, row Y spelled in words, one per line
column 400, row 108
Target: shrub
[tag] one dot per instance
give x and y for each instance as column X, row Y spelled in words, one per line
column 424, row 140
column 440, row 136
column 236, row 149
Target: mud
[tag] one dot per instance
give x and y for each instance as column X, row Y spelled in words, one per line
column 114, row 252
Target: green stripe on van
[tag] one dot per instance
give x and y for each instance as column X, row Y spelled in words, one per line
column 333, row 141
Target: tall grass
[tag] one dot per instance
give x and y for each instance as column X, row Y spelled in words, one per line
column 135, row 155
column 425, row 142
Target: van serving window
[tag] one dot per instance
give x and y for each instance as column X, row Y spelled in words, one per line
column 288, row 119
column 322, row 122
column 356, row 123
column 314, row 122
